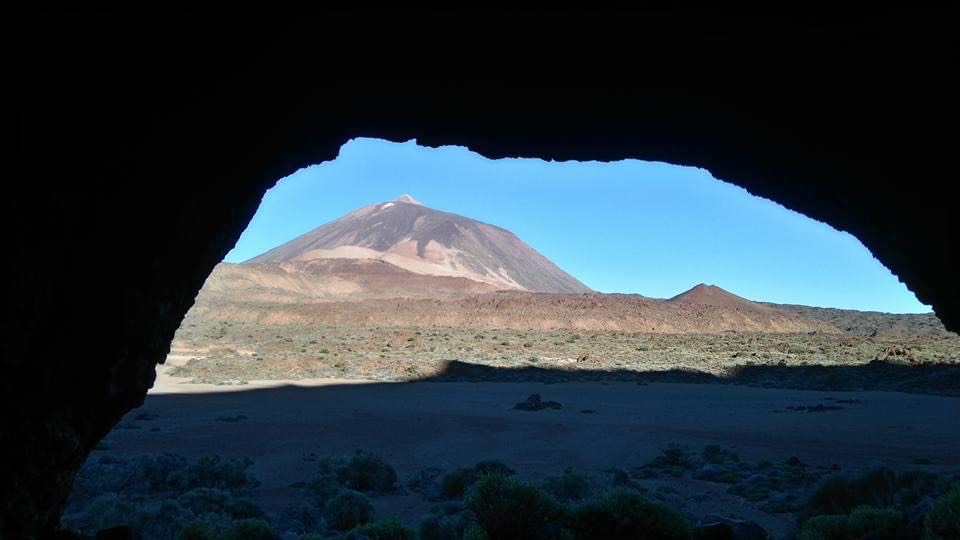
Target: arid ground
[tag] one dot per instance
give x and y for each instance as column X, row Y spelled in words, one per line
column 395, row 343
column 223, row 351
column 600, row 427
column 637, row 410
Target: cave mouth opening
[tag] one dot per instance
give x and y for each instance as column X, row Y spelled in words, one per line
column 297, row 353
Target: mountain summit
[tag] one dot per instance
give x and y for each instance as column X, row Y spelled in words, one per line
column 420, row 240
column 711, row 295
column 407, row 199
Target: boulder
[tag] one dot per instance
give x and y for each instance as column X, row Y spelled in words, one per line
column 535, row 403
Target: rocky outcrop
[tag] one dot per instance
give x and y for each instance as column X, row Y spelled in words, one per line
column 146, row 140
column 535, row 403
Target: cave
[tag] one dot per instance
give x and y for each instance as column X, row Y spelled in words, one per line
column 144, row 141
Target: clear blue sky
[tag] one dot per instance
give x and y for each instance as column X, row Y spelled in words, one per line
column 631, row 226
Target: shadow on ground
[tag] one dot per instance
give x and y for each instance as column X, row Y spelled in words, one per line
column 590, row 422
column 931, row 378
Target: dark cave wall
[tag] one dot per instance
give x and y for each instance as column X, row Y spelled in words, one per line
column 144, row 142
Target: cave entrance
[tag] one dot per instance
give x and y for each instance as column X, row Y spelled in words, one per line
column 401, row 323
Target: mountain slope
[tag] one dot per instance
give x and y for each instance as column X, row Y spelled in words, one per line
column 521, row 311
column 421, row 240
column 323, row 280
column 752, row 315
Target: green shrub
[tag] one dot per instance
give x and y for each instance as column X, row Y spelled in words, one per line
column 348, row 509
column 363, row 471
column 879, row 487
column 96, row 479
column 475, row 533
column 209, row 527
column 674, row 456
column 943, row 520
column 912, row 486
column 212, row 472
column 456, row 483
column 718, row 455
column 441, row 527
column 674, row 461
column 163, row 496
column 877, row 523
column 880, row 484
column 107, row 510
column 205, row 500
column 617, row 477
column 162, row 472
column 570, row 487
column 389, row 529
column 249, row 529
column 508, row 509
column 492, row 466
column 198, row 514
column 824, row 528
column 199, row 530
column 217, row 501
column 626, row 514
column 324, row 486
column 301, row 518
column 838, row 495
column 162, row 519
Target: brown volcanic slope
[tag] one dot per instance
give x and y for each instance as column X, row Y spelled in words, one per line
column 873, row 323
column 323, row 280
column 420, row 240
column 520, row 310
column 768, row 315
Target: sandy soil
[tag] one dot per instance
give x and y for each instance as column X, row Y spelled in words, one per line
column 169, row 384
column 428, row 424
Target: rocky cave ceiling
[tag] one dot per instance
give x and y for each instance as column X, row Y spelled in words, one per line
column 145, row 140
